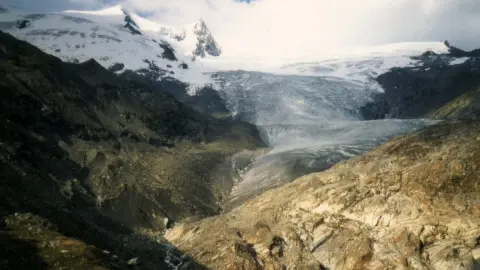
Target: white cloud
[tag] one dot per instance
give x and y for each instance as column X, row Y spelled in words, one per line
column 297, row 27
column 86, row 3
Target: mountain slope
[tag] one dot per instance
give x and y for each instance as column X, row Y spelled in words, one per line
column 465, row 106
column 90, row 157
column 418, row 91
column 412, row 203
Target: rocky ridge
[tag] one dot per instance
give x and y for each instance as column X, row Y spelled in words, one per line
column 416, row 92
column 466, row 106
column 206, row 44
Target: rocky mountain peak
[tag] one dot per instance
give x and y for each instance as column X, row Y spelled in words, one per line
column 206, row 44
column 447, row 43
column 457, row 52
column 130, row 23
column 201, row 27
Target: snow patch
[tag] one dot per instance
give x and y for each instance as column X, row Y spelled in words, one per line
column 459, row 61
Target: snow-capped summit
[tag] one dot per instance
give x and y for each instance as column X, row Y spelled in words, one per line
column 198, row 40
column 132, row 22
column 195, row 40
column 117, row 11
column 117, row 39
column 206, row 44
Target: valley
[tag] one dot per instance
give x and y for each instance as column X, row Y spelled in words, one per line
column 127, row 144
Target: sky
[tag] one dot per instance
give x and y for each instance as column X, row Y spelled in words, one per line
column 286, row 28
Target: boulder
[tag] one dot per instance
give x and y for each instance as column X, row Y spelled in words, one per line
column 116, row 67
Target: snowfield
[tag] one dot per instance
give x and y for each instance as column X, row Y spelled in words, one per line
column 77, row 36
column 115, row 35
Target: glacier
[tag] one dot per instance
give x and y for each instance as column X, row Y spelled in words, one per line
column 306, row 108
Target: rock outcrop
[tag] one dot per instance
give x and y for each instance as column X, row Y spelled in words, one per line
column 168, row 51
column 23, row 24
column 416, row 92
column 116, row 67
column 92, row 158
column 466, row 106
column 461, row 53
column 130, row 24
column 206, row 44
column 413, row 203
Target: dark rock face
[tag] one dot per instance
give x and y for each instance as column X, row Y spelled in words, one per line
column 23, row 24
column 150, row 74
column 206, row 44
column 168, row 51
column 206, row 100
column 97, row 154
column 132, row 29
column 116, row 67
column 183, row 66
column 414, row 92
column 378, row 109
column 466, row 106
column 456, row 52
column 130, row 24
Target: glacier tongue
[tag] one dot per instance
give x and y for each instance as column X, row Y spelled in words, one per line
column 309, row 122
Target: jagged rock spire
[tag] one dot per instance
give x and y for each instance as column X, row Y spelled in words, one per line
column 206, row 44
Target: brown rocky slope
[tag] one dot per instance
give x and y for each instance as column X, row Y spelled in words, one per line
column 412, row 203
column 466, row 106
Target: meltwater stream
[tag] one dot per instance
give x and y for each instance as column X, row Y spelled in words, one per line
column 310, row 123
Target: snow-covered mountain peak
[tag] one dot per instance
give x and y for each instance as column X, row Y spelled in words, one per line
column 201, row 27
column 116, row 14
column 205, row 42
column 194, row 40
column 120, row 39
column 115, row 37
